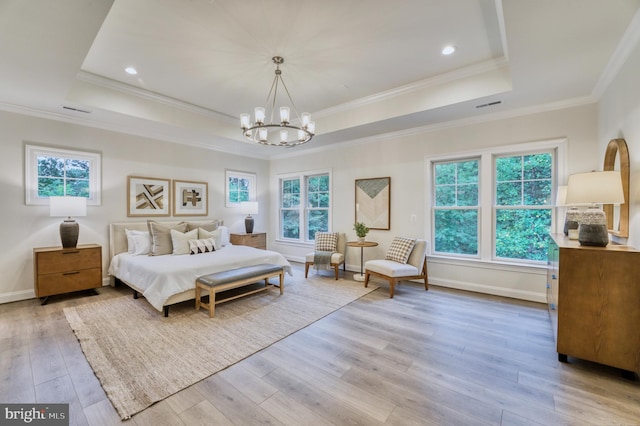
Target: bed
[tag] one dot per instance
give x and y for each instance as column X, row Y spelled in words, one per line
column 168, row 279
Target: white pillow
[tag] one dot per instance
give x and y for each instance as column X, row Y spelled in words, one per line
column 215, row 235
column 142, row 243
column 131, row 244
column 180, row 241
column 226, row 236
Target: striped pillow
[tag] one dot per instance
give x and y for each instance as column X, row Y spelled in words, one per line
column 205, row 245
column 400, row 249
column 326, row 241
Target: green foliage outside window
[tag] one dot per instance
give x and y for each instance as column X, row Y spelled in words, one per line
column 456, row 212
column 58, row 176
column 523, row 181
column 312, row 205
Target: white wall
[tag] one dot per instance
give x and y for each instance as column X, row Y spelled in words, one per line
column 25, row 227
column 403, row 158
column 619, row 117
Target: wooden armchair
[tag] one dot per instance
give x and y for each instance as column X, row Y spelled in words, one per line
column 337, row 257
column 394, row 272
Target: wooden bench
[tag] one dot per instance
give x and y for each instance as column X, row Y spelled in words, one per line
column 234, row 278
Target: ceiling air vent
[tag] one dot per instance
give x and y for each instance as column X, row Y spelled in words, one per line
column 488, row 104
column 76, row 109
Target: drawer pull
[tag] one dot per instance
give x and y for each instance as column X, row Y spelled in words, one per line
column 554, row 277
column 71, row 252
column 71, row 273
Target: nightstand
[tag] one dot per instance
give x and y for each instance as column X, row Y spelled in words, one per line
column 257, row 240
column 58, row 270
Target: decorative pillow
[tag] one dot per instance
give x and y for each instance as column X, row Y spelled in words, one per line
column 180, row 241
column 215, row 235
column 204, row 245
column 226, row 236
column 131, row 234
column 400, row 249
column 211, row 226
column 326, row 241
column 161, row 237
column 142, row 243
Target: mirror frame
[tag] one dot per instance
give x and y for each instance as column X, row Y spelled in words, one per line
column 618, row 147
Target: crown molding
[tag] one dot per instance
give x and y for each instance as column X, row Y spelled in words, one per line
column 485, row 118
column 458, row 74
column 628, row 43
column 108, row 83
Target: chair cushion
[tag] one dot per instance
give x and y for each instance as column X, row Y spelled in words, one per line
column 335, row 257
column 400, row 249
column 391, row 268
column 326, row 241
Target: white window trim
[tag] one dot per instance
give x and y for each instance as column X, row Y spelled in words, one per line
column 251, row 177
column 31, row 172
column 303, row 175
column 487, row 155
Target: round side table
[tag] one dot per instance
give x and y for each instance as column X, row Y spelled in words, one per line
column 362, row 245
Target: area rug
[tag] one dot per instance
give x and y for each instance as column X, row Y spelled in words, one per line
column 141, row 357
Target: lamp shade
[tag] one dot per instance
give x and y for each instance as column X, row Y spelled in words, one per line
column 595, row 188
column 67, row 206
column 249, row 207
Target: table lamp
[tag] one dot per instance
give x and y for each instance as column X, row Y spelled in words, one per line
column 68, row 206
column 249, row 208
column 594, row 188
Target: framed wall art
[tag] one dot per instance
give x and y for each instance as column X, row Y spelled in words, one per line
column 148, row 196
column 190, row 198
column 373, row 202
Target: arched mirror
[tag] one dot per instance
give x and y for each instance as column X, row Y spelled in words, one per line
column 617, row 158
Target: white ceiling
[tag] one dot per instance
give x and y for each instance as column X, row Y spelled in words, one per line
column 361, row 67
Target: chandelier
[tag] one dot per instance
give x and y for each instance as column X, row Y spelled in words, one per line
column 264, row 133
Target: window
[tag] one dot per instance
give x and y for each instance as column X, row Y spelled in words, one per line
column 241, row 186
column 495, row 204
column 456, row 207
column 523, row 194
column 59, row 172
column 304, row 205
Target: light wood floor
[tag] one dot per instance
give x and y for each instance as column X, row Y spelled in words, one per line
column 439, row 357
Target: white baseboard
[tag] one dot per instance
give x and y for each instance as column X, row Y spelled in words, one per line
column 16, row 296
column 486, row 289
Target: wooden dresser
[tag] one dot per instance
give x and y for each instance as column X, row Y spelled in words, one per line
column 58, row 270
column 257, row 240
column 593, row 295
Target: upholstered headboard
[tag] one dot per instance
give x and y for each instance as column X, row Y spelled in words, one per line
column 118, row 237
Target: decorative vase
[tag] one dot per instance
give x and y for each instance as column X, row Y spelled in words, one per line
column 361, row 239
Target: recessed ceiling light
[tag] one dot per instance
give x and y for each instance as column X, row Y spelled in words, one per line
column 448, row 50
column 131, row 70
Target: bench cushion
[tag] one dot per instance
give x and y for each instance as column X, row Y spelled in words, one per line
column 238, row 274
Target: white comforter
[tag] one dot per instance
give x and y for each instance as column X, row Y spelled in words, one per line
column 160, row 277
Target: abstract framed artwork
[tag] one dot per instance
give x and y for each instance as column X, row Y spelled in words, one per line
column 148, row 196
column 373, row 202
column 190, row 198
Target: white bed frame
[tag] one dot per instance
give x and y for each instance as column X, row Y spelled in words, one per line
column 118, row 244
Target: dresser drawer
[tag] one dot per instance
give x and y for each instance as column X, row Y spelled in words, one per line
column 64, row 282
column 51, row 262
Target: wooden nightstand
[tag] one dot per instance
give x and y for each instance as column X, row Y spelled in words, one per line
column 257, row 240
column 58, row 270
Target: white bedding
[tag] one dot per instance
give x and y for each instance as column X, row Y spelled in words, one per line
column 160, row 277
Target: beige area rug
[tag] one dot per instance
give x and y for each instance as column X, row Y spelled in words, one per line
column 141, row 357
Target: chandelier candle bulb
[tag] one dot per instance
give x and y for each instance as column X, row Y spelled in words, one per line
column 305, row 117
column 284, row 136
column 259, row 115
column 301, row 135
column 311, row 127
column 245, row 122
column 262, row 134
column 284, row 115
